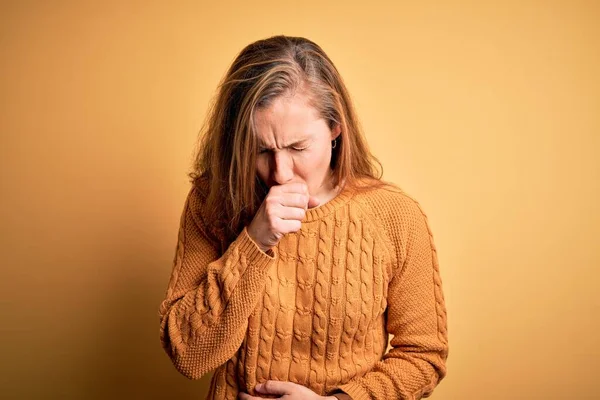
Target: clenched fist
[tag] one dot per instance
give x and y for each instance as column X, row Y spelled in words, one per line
column 281, row 212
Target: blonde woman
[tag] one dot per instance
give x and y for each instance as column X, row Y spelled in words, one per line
column 295, row 261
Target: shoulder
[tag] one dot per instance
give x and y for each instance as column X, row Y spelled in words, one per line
column 397, row 215
column 197, row 210
column 390, row 203
column 195, row 202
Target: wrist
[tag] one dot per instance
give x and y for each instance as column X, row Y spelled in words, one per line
column 253, row 238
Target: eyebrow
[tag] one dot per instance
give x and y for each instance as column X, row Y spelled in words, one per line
column 296, row 143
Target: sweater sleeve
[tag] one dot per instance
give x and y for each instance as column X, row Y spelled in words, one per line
column 416, row 317
column 204, row 315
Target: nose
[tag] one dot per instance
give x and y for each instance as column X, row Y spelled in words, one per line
column 282, row 170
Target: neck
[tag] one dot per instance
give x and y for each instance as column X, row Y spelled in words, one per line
column 328, row 190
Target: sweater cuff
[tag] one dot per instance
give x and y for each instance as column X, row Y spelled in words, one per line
column 341, row 395
column 355, row 391
column 253, row 253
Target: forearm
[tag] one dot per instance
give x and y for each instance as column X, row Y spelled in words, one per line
column 218, row 307
column 400, row 376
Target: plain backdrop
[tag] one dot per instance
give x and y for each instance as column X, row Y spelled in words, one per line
column 487, row 112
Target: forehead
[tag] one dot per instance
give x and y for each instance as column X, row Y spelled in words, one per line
column 287, row 119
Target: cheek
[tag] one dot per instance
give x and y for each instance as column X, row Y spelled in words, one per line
column 314, row 163
column 262, row 167
column 323, row 157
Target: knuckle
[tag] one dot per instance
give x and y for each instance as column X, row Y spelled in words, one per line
column 276, row 226
column 269, row 201
column 301, row 199
column 272, row 219
column 269, row 210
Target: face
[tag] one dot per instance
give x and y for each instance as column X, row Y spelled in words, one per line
column 294, row 144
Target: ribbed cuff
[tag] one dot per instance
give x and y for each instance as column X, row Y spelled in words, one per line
column 354, row 390
column 253, row 253
column 341, row 395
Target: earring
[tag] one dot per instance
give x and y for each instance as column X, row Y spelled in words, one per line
column 334, row 144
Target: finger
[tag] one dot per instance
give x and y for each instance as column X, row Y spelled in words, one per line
column 288, row 225
column 246, row 396
column 313, row 202
column 275, row 387
column 287, row 200
column 295, row 187
column 299, row 200
column 292, row 213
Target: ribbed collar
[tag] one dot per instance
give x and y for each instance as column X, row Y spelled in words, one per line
column 324, row 210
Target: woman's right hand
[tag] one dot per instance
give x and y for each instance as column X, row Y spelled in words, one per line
column 281, row 212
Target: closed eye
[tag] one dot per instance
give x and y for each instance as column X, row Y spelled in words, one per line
column 262, row 151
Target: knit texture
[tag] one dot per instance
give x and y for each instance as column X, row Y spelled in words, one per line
column 315, row 310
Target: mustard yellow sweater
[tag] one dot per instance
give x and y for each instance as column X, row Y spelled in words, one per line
column 317, row 311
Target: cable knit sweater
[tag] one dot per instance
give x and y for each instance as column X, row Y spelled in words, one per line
column 317, row 309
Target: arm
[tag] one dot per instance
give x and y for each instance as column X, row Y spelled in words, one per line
column 204, row 316
column 416, row 317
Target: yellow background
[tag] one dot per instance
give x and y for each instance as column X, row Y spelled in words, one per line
column 486, row 112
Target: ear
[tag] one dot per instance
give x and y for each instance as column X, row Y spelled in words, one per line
column 335, row 132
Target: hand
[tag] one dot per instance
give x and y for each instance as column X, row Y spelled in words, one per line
column 281, row 212
column 287, row 390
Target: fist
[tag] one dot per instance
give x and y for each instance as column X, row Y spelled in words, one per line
column 281, row 212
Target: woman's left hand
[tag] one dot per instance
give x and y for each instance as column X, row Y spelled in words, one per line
column 291, row 391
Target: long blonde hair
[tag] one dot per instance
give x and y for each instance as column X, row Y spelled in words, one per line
column 225, row 161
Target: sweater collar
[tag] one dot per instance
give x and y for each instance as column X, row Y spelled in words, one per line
column 324, row 210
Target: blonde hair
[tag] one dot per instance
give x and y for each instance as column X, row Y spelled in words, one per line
column 225, row 163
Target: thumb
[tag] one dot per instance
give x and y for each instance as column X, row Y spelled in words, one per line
column 313, row 202
column 274, row 387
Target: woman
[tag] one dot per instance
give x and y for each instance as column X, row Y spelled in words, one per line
column 295, row 261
